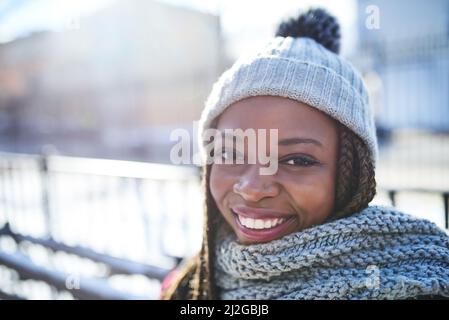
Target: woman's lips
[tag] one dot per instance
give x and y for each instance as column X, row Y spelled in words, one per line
column 260, row 213
column 261, row 224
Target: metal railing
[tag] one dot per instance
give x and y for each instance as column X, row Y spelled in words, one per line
column 444, row 194
column 132, row 218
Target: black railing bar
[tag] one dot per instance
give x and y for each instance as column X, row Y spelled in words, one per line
column 9, row 296
column 116, row 265
column 417, row 190
column 79, row 287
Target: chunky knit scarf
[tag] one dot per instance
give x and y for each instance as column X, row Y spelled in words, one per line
column 378, row 253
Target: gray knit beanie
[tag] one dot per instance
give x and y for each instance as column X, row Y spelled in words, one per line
column 304, row 68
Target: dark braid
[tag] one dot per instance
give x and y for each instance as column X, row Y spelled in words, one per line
column 205, row 288
column 345, row 163
column 356, row 183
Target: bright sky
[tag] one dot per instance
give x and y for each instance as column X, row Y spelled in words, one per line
column 19, row 18
column 245, row 23
column 248, row 23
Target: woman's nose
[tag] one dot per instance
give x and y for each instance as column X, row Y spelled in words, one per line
column 253, row 186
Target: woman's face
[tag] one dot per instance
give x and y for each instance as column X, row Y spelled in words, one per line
column 261, row 208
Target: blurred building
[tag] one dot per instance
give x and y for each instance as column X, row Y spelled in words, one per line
column 408, row 57
column 112, row 84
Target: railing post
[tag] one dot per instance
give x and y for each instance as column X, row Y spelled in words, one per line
column 45, row 185
column 3, row 193
column 392, row 197
column 446, row 209
column 144, row 215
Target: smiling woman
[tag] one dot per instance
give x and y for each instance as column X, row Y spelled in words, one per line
column 301, row 193
column 306, row 231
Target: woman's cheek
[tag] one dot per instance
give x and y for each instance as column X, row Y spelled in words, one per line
column 215, row 186
column 314, row 195
column 220, row 184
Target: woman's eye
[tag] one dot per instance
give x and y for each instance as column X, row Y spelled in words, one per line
column 300, row 161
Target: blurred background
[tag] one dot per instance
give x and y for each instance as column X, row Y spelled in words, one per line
column 91, row 206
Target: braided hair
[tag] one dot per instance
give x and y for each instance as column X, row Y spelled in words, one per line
column 355, row 185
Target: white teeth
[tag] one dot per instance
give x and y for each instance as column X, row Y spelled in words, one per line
column 260, row 223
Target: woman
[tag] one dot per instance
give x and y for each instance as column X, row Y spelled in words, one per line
column 307, row 231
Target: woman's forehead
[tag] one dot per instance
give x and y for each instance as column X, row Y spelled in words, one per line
column 266, row 112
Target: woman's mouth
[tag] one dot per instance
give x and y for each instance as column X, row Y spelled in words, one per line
column 260, row 224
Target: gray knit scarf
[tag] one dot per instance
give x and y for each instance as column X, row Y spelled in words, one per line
column 378, row 253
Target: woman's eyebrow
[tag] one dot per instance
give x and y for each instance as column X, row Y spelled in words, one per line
column 284, row 142
column 290, row 141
